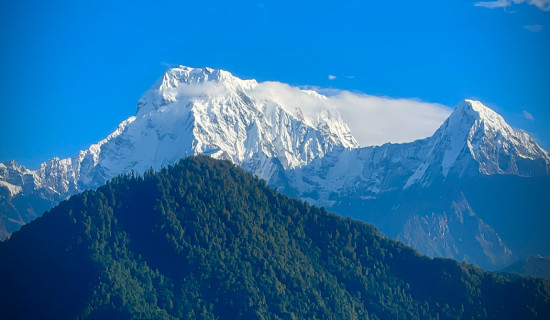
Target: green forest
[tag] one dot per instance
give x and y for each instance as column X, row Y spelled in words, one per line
column 203, row 239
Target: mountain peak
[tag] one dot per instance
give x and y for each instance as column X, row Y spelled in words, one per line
column 189, row 81
column 472, row 118
column 484, row 134
column 208, row 111
column 474, row 106
column 189, row 75
column 476, row 112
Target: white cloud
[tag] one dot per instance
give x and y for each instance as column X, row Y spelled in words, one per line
column 376, row 120
column 331, row 77
column 528, row 115
column 168, row 65
column 534, row 28
column 493, row 4
column 208, row 88
column 541, row 4
column 372, row 120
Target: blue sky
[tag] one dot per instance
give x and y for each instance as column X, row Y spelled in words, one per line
column 70, row 71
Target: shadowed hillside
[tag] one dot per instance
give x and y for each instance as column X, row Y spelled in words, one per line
column 203, row 239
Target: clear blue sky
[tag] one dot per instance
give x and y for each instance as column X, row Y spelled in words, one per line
column 70, row 71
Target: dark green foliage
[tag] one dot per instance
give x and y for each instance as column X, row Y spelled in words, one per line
column 203, row 239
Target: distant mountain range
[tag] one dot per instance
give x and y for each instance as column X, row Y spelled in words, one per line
column 203, row 239
column 533, row 266
column 475, row 191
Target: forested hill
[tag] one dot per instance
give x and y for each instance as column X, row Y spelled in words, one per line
column 203, row 239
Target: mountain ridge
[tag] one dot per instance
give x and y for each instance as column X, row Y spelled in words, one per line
column 533, row 266
column 462, row 151
column 204, row 239
column 304, row 153
column 474, row 142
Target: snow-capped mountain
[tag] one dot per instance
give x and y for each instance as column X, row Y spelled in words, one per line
column 473, row 141
column 188, row 111
column 442, row 194
column 475, row 132
column 393, row 185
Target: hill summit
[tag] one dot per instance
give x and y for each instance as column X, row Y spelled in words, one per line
column 204, row 239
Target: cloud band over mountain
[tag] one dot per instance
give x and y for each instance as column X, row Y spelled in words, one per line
column 373, row 120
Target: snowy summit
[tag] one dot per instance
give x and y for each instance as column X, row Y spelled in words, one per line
column 191, row 111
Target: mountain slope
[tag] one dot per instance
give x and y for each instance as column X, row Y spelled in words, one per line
column 420, row 192
column 203, row 239
column 474, row 141
column 534, row 266
column 187, row 111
